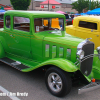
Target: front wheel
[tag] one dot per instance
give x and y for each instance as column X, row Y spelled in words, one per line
column 58, row 82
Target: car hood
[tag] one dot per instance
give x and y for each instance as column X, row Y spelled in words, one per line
column 65, row 40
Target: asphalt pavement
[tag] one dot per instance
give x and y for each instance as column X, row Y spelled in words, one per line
column 31, row 86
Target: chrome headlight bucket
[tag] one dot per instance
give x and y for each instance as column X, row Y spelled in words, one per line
column 80, row 54
column 98, row 50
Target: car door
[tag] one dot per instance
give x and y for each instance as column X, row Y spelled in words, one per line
column 18, row 38
column 89, row 29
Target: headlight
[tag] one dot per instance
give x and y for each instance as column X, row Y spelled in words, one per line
column 98, row 50
column 80, row 54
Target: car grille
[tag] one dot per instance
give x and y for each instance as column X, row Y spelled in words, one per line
column 86, row 65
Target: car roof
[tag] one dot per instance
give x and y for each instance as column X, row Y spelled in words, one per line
column 35, row 13
column 88, row 17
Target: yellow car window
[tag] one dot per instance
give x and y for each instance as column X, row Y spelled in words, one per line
column 55, row 23
column 45, row 22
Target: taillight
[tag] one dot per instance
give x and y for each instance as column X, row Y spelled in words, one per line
column 72, row 21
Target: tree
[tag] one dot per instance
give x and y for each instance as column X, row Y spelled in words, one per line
column 95, row 4
column 20, row 4
column 79, row 5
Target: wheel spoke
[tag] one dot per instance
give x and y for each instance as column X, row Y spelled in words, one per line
column 53, row 77
column 57, row 86
column 52, row 84
column 59, row 83
column 57, row 78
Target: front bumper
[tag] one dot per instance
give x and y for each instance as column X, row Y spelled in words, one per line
column 89, row 87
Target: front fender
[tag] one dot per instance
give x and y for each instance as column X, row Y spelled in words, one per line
column 96, row 67
column 63, row 64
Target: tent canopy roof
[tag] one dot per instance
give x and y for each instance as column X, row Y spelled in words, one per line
column 61, row 12
column 2, row 10
column 50, row 2
column 94, row 11
column 8, row 9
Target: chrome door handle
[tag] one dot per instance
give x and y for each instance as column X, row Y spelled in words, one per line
column 11, row 35
column 97, row 35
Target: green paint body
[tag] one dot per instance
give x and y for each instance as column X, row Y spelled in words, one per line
column 30, row 48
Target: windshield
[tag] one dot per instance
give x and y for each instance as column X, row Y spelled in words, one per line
column 46, row 24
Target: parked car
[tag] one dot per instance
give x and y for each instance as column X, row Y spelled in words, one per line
column 86, row 27
column 35, row 42
column 69, row 19
column 1, row 20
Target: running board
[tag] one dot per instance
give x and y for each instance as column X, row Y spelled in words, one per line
column 15, row 64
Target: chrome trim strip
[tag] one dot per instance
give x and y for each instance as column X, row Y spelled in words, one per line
column 86, row 57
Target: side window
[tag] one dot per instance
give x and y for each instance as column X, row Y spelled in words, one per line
column 21, row 23
column 8, row 21
column 88, row 25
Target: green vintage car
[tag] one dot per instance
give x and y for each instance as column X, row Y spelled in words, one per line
column 37, row 39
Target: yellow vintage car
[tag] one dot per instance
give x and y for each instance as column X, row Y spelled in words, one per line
column 86, row 27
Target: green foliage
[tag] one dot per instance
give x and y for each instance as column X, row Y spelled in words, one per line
column 20, row 4
column 79, row 5
column 95, row 4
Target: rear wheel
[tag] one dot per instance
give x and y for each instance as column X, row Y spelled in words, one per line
column 58, row 82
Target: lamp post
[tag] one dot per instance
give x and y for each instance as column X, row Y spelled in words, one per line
column 48, row 5
column 90, row 5
column 32, row 4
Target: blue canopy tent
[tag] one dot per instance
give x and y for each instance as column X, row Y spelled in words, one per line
column 2, row 11
column 94, row 11
column 83, row 14
column 76, row 14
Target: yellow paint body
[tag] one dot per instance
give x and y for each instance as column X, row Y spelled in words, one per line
column 86, row 31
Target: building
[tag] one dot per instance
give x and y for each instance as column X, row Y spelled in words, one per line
column 5, row 2
column 65, row 6
column 5, row 7
column 35, row 5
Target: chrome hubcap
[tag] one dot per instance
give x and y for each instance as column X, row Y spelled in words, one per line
column 55, row 82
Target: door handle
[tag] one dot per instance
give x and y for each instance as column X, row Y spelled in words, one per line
column 97, row 35
column 11, row 35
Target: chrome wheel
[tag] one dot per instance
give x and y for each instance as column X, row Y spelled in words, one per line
column 55, row 82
